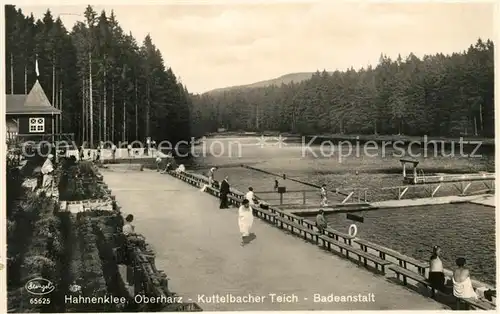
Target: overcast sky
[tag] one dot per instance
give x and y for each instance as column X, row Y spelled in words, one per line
column 212, row 46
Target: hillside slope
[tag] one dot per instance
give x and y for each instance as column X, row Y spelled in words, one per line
column 284, row 79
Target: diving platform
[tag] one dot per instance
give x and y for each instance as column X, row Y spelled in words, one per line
column 438, row 178
column 418, row 176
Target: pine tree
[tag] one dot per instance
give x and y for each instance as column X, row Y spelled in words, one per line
column 436, row 95
column 107, row 86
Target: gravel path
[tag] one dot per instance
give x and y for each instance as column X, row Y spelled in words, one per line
column 198, row 247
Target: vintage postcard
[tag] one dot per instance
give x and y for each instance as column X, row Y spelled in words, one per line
column 249, row 156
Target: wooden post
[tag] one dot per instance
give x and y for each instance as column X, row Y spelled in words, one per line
column 404, row 169
column 91, row 110
column 281, row 198
column 105, row 107
column 414, row 173
column 53, row 126
column 60, row 107
column 124, row 134
column 11, row 73
column 303, row 197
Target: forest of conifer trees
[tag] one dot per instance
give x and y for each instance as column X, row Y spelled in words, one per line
column 438, row 95
column 98, row 76
column 135, row 95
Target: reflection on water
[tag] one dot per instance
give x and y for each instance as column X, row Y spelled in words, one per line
column 462, row 230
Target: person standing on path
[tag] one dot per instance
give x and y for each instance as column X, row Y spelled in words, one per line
column 250, row 196
column 210, row 176
column 113, row 151
column 436, row 273
column 224, row 191
column 323, row 194
column 148, row 146
column 129, row 150
column 98, row 154
column 245, row 221
column 158, row 162
column 81, row 152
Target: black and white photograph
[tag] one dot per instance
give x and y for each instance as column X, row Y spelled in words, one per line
column 187, row 156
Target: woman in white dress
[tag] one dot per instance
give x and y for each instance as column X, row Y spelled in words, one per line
column 245, row 220
column 250, row 196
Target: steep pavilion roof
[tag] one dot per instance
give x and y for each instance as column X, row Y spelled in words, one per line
column 36, row 102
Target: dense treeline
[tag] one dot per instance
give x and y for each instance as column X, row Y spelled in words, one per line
column 440, row 95
column 98, row 76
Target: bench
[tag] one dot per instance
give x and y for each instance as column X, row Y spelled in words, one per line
column 405, row 273
column 403, row 260
column 232, row 200
column 186, row 179
column 309, row 224
column 303, row 230
column 363, row 257
column 335, row 234
column 475, row 304
column 264, row 214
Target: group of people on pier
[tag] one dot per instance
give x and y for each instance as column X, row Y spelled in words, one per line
column 462, row 283
column 245, row 211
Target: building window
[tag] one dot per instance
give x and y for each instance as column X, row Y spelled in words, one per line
column 37, row 125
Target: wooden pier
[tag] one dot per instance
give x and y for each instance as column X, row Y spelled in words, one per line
column 200, row 245
column 373, row 256
column 450, row 185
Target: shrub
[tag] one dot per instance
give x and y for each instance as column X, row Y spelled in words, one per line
column 41, row 255
column 92, row 274
column 79, row 181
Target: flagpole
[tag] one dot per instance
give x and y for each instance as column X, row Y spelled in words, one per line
column 36, row 67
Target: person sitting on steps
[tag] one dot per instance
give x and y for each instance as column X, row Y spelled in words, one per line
column 129, row 232
column 321, row 223
column 462, row 285
column 436, row 274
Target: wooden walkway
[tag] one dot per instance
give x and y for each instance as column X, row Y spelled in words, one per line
column 487, row 200
column 198, row 247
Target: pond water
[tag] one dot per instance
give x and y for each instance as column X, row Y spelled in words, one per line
column 461, row 230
